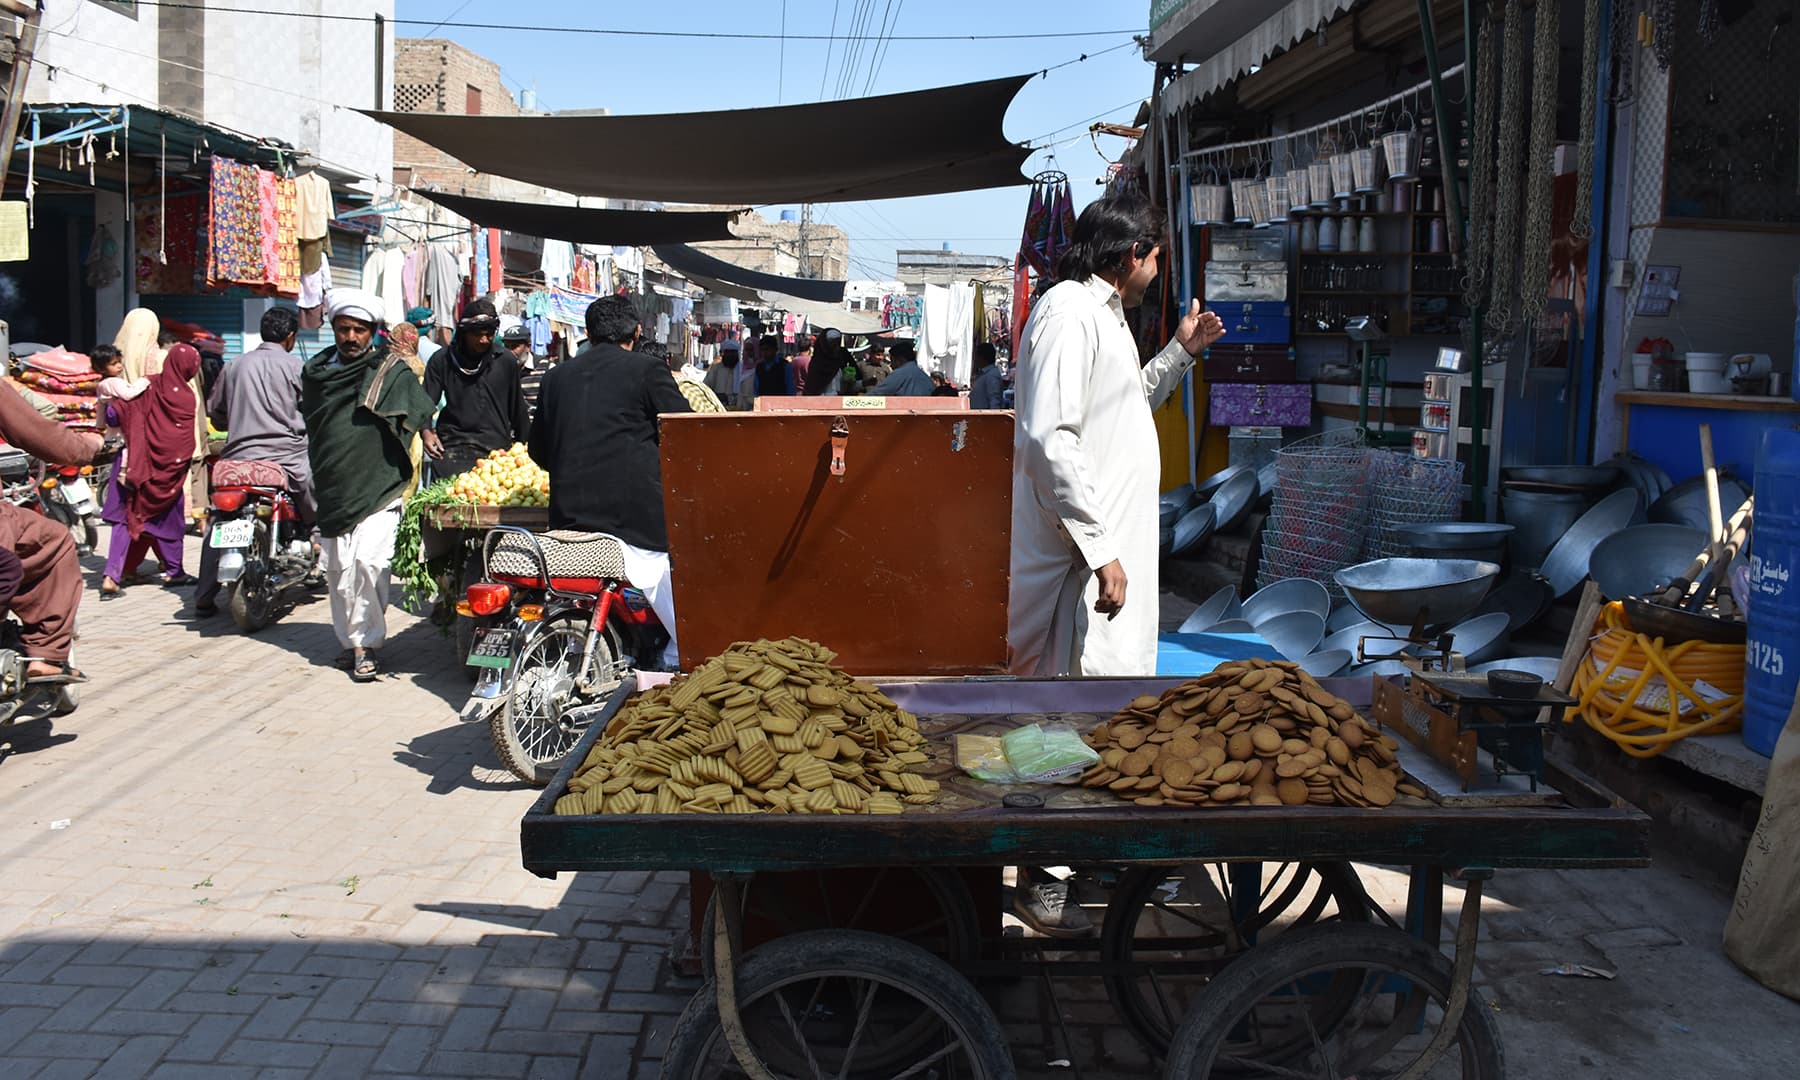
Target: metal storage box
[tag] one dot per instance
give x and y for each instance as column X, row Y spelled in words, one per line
column 1227, row 282
column 1253, row 446
column 1261, row 405
column 884, row 534
column 1229, row 362
column 1256, row 323
column 1249, row 245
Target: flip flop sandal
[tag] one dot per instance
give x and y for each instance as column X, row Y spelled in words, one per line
column 66, row 676
column 111, row 594
column 366, row 670
column 180, row 581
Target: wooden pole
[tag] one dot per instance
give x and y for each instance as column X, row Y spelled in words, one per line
column 15, row 90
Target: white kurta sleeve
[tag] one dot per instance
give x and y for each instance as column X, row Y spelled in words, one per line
column 1061, row 364
column 1164, row 373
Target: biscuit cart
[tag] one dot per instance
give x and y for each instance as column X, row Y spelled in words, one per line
column 861, row 946
column 882, row 978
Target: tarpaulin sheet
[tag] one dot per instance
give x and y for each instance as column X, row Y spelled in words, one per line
column 926, row 142
column 584, row 225
column 693, row 264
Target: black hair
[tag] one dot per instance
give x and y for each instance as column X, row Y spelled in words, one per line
column 984, row 354
column 167, row 338
column 611, row 320
column 102, row 357
column 656, row 350
column 280, row 323
column 769, row 340
column 1109, row 230
column 903, row 352
column 729, row 356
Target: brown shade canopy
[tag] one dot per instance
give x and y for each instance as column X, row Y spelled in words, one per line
column 583, row 225
column 926, row 142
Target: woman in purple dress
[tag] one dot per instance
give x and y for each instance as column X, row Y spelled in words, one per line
column 144, row 503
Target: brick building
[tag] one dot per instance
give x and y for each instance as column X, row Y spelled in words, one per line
column 432, row 75
column 773, row 247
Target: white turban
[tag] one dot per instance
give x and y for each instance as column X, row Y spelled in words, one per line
column 356, row 303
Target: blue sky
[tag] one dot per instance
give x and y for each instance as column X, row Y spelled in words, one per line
column 658, row 75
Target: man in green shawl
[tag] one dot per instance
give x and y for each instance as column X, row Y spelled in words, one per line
column 362, row 407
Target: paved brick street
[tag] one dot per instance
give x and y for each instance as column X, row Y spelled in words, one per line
column 267, row 871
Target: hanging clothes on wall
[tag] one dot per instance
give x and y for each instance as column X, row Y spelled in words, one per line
column 1049, row 222
column 558, row 262
column 235, row 245
column 175, row 231
column 312, row 204
column 442, row 284
column 384, row 269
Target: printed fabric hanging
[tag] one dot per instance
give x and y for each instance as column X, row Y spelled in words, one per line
column 1049, row 222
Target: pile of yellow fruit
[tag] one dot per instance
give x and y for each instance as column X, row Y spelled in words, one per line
column 504, row 478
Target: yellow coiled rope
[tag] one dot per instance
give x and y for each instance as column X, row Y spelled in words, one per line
column 1644, row 695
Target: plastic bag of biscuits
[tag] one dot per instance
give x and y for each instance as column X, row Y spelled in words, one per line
column 1252, row 733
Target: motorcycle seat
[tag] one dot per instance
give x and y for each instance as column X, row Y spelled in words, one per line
column 248, row 474
column 576, row 558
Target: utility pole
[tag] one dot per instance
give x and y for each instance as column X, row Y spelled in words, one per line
column 805, row 246
column 26, row 45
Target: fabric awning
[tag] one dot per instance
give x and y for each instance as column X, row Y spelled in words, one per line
column 693, row 264
column 826, row 316
column 583, row 225
column 1222, row 66
column 926, row 142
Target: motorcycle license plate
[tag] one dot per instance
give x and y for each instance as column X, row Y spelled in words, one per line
column 234, row 534
column 80, row 496
column 492, row 649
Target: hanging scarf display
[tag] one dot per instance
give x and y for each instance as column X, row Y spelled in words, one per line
column 1049, row 222
column 1021, row 300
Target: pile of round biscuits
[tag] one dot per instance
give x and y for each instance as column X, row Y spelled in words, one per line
column 765, row 727
column 1254, row 733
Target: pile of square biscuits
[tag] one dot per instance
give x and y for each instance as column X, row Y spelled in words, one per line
column 765, row 727
column 1254, row 733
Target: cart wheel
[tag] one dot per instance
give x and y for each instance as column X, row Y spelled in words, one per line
column 1177, row 927
column 1261, row 1016
column 847, row 1004
column 923, row 906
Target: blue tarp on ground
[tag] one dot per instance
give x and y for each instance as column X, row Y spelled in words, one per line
column 1198, row 654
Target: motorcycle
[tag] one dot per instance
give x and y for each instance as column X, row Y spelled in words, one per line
column 264, row 547
column 67, row 496
column 21, row 702
column 557, row 627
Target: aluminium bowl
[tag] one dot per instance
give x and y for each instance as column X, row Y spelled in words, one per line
column 1432, row 592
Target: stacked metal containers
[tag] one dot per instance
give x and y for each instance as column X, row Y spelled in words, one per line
column 1250, row 374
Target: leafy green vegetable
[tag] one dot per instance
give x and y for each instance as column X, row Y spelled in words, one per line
column 418, row 576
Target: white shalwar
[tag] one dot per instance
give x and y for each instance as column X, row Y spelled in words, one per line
column 1086, row 472
column 358, row 569
column 648, row 572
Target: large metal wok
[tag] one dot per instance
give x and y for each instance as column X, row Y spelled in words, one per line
column 1427, row 593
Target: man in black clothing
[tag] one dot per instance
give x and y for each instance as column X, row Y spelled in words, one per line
column 484, row 404
column 596, row 434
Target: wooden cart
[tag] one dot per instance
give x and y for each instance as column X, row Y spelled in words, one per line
column 846, row 946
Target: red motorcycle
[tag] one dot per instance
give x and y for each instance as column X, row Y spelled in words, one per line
column 558, row 627
column 264, row 547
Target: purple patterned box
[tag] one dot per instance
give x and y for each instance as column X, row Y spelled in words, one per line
column 1265, row 404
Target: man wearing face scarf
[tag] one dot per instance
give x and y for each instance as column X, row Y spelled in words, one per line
column 484, row 401
column 362, row 406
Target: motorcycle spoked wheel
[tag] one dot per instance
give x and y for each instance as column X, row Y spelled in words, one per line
column 253, row 597
column 529, row 732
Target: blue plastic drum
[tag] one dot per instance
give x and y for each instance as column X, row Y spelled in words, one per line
column 1772, row 654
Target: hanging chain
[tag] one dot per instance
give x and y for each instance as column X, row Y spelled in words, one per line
column 1581, row 224
column 1509, row 176
column 1540, row 192
column 1481, row 165
column 1624, row 49
column 1662, row 16
column 1709, row 21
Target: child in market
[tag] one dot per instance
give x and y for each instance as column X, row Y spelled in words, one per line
column 109, row 364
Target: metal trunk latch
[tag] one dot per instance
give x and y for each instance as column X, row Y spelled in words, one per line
column 840, row 435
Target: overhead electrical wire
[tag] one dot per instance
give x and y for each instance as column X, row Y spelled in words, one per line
column 191, row 5
column 881, row 50
column 825, row 71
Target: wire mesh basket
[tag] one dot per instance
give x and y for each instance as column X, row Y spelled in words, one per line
column 1319, row 517
column 1407, row 490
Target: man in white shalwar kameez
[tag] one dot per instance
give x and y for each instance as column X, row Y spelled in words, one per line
column 1086, row 463
column 1086, row 469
